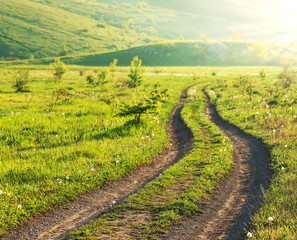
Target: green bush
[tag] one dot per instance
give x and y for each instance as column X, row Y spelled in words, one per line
column 103, row 77
column 136, row 73
column 91, row 79
column 59, row 68
column 150, row 105
column 21, row 81
column 113, row 65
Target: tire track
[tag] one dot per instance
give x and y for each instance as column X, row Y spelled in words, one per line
column 58, row 223
column 239, row 196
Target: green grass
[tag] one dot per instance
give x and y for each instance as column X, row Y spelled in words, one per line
column 179, row 191
column 49, row 156
column 80, row 141
column 269, row 114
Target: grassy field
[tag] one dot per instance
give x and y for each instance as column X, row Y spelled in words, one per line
column 54, row 148
column 177, row 192
column 52, row 152
column 266, row 108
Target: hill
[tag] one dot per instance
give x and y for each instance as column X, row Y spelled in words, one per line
column 187, row 53
column 48, row 28
column 31, row 29
column 181, row 53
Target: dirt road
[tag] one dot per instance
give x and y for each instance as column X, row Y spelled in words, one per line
column 239, row 196
column 60, row 222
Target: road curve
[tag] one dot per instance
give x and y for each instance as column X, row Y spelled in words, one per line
column 58, row 223
column 239, row 196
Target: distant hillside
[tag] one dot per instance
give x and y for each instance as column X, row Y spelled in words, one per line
column 30, row 29
column 49, row 28
column 182, row 53
column 42, row 28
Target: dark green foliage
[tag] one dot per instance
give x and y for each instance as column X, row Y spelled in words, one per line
column 91, row 79
column 21, row 81
column 102, row 78
column 150, row 105
column 136, row 73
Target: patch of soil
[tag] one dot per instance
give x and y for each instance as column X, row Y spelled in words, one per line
column 59, row 222
column 233, row 204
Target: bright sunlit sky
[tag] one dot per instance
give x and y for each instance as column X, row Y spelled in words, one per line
column 277, row 18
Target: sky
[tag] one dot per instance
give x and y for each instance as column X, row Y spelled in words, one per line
column 275, row 18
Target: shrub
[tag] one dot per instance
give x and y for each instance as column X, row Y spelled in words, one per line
column 136, row 73
column 150, row 105
column 21, row 81
column 81, row 73
column 91, row 79
column 113, row 65
column 58, row 94
column 59, row 68
column 103, row 77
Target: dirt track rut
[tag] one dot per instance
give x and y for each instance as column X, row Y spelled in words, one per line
column 226, row 216
column 60, row 222
column 239, row 196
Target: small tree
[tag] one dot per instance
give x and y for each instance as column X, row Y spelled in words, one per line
column 59, row 68
column 91, row 79
column 21, row 81
column 136, row 73
column 150, row 105
column 250, row 91
column 113, row 65
column 102, row 77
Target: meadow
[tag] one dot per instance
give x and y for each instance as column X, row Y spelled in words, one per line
column 56, row 146
column 266, row 108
